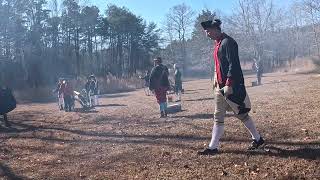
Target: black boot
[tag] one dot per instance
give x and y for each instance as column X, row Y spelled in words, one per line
column 208, row 151
column 66, row 108
column 65, row 104
column 256, row 144
column 162, row 115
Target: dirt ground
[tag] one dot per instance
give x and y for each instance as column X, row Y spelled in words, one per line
column 124, row 138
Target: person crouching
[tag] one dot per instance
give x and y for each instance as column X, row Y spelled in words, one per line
column 159, row 84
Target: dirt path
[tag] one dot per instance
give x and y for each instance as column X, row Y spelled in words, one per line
column 125, row 139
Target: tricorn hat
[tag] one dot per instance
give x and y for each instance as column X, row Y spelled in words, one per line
column 158, row 59
column 210, row 24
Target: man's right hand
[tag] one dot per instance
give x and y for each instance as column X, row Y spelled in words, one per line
column 228, row 90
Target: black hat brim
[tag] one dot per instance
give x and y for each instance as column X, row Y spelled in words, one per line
column 206, row 24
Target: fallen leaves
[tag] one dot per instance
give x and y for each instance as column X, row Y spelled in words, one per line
column 133, row 143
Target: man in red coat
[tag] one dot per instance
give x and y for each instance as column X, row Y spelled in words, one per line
column 230, row 89
column 67, row 91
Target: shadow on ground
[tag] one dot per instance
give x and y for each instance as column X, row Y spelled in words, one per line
column 7, row 172
column 200, row 99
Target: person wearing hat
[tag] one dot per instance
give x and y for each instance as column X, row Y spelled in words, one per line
column 159, row 84
column 92, row 89
column 95, row 90
column 67, row 90
column 146, row 79
column 259, row 70
column 229, row 87
column 60, row 94
column 7, row 103
column 177, row 81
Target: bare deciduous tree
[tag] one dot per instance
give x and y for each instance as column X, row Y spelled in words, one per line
column 312, row 9
column 179, row 24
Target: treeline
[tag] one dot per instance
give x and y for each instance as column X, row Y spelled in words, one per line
column 40, row 42
column 265, row 32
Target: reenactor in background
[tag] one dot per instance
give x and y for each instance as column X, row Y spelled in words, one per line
column 68, row 95
column 92, row 90
column 7, row 103
column 177, row 82
column 60, row 94
column 146, row 79
column 259, row 69
column 159, row 84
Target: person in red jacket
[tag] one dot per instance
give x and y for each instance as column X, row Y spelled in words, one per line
column 230, row 88
column 67, row 91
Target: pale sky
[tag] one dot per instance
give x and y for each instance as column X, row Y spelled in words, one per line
column 155, row 10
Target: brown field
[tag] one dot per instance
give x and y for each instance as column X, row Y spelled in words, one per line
column 125, row 139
